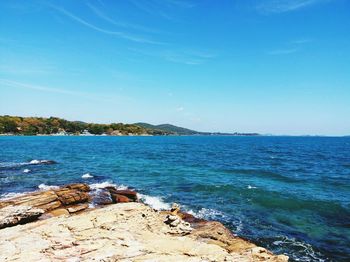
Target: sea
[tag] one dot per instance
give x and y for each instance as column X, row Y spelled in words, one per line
column 290, row 195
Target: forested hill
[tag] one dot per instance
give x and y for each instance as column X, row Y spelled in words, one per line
column 16, row 125
column 169, row 129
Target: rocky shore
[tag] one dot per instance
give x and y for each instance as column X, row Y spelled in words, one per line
column 75, row 223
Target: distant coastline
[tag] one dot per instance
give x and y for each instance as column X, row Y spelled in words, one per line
column 54, row 126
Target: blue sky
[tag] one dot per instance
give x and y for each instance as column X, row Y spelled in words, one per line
column 267, row 66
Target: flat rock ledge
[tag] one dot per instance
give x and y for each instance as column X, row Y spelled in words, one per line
column 126, row 231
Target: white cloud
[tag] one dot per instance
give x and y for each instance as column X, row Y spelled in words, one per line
column 282, row 51
column 180, row 109
column 282, row 6
column 120, row 34
column 107, row 18
column 40, row 88
column 180, row 56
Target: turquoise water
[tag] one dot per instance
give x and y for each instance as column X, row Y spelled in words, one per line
column 289, row 194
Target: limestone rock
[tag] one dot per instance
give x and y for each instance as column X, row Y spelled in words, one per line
column 177, row 225
column 13, row 215
column 77, row 208
column 34, row 199
column 128, row 232
column 59, row 212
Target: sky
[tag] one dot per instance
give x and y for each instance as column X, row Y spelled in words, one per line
column 268, row 66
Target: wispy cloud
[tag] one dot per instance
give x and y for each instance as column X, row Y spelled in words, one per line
column 120, row 34
column 162, row 8
column 282, row 51
column 180, row 109
column 40, row 88
column 107, row 18
column 301, row 41
column 292, row 47
column 179, row 3
column 26, row 70
column 187, row 57
column 11, row 83
column 282, row 6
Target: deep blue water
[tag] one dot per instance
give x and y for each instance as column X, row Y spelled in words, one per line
column 289, row 194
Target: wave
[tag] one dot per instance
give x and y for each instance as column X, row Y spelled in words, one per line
column 87, row 175
column 26, row 170
column 47, row 187
column 102, row 185
column 17, row 165
column 11, row 195
column 298, row 250
column 208, row 214
column 105, row 184
column 154, row 202
column 260, row 173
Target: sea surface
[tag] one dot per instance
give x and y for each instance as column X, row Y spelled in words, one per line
column 288, row 194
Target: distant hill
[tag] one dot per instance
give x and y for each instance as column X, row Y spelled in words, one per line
column 16, row 125
column 170, row 129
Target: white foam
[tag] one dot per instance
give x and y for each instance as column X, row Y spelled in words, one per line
column 26, row 170
column 154, row 202
column 12, row 195
column 87, row 175
column 251, row 187
column 102, row 185
column 307, row 252
column 122, row 187
column 47, row 187
column 207, row 213
column 12, row 164
column 37, row 162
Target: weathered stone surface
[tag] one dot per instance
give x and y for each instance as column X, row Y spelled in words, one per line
column 124, row 232
column 191, row 218
column 101, row 197
column 79, row 186
column 77, row 208
column 14, row 215
column 100, row 234
column 120, row 198
column 177, row 225
column 132, row 195
column 51, row 206
column 216, row 233
column 59, row 212
column 72, row 196
column 34, row 199
column 50, row 201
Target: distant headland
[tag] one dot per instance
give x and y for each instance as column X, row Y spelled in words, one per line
column 54, row 126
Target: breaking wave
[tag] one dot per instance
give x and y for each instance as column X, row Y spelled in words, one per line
column 47, row 187
column 87, row 175
column 154, row 202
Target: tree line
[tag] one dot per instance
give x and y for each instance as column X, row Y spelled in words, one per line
column 46, row 126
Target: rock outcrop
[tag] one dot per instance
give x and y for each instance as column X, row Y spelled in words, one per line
column 13, row 215
column 122, row 232
column 176, row 223
column 66, row 200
